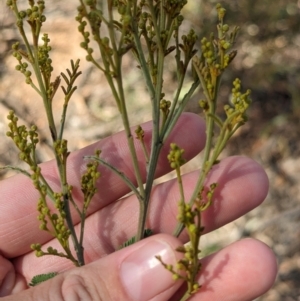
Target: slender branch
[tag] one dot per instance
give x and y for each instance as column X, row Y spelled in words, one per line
column 120, row 174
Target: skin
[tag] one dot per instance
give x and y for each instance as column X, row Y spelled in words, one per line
column 242, row 271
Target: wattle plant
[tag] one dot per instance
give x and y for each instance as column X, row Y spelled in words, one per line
column 150, row 32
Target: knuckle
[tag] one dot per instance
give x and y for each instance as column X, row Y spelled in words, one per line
column 76, row 288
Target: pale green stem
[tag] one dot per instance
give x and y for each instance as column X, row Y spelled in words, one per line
column 66, row 200
column 120, row 174
column 145, row 152
column 179, row 180
column 207, row 164
column 62, row 120
column 149, row 183
column 123, row 108
column 174, row 103
column 167, row 129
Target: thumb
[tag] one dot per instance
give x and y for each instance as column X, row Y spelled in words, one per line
column 132, row 274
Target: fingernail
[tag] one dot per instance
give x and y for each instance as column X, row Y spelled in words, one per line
column 143, row 276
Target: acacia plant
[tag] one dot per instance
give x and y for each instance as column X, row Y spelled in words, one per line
column 151, row 32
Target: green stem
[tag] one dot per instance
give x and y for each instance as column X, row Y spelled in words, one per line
column 170, row 116
column 202, row 176
column 169, row 127
column 66, row 200
column 148, row 187
column 186, row 296
column 117, row 172
column 179, row 180
column 207, row 164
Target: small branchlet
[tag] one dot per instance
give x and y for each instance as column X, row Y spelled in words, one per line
column 175, row 156
column 88, row 188
column 150, row 31
column 34, row 59
column 54, row 223
column 37, row 248
column 73, row 74
column 24, row 139
column 216, row 55
column 34, row 16
column 22, row 66
column 88, row 181
column 176, row 160
column 59, row 220
column 188, row 45
column 61, row 150
column 44, row 60
column 189, row 266
column 165, row 109
column 140, row 134
column 236, row 115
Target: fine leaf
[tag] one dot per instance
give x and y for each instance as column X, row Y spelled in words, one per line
column 41, row 278
column 130, row 241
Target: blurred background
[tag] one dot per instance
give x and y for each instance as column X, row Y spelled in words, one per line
column 268, row 62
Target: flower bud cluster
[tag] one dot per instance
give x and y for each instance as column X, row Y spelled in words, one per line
column 50, row 251
column 57, row 221
column 61, row 147
column 61, row 231
column 34, row 14
column 25, row 139
column 216, row 55
column 241, row 102
column 146, row 27
column 90, row 13
column 86, row 34
column 189, row 44
column 44, row 213
column 165, row 107
column 140, row 133
column 22, row 66
column 38, row 249
column 174, row 7
column 221, row 11
column 175, row 156
column 188, row 267
column 44, row 59
column 89, row 179
column 208, row 51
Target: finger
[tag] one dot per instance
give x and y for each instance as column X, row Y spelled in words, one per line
column 10, row 281
column 242, row 271
column 132, row 274
column 243, row 185
column 18, row 199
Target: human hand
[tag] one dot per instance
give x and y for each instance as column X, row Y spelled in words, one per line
column 241, row 271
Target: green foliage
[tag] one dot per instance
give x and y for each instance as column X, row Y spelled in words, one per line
column 132, row 240
column 41, row 278
column 34, row 61
column 151, row 32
